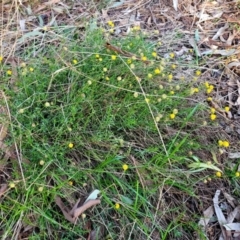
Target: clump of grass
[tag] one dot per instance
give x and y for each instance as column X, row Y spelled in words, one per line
column 87, row 117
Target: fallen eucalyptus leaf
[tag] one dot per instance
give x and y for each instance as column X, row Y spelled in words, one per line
column 207, row 215
column 232, row 226
column 175, row 4
column 235, row 214
column 3, row 189
column 234, row 155
column 85, row 206
column 64, row 210
column 73, row 214
column 117, row 4
column 228, row 52
column 93, row 195
column 221, row 218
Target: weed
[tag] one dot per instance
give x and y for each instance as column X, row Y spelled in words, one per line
column 115, row 117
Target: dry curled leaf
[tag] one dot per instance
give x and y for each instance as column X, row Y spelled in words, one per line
column 87, row 205
column 64, row 210
column 76, row 211
column 3, row 189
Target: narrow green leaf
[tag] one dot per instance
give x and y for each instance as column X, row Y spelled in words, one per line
column 126, row 200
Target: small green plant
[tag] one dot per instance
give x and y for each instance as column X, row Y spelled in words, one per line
column 101, row 113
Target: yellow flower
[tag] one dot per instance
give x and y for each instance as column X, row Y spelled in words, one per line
column 209, row 99
column 172, row 92
column 125, row 167
column 70, row 145
column 157, row 71
column 114, row 57
column 135, row 94
column 150, row 75
column 196, row 90
column 75, row 61
column 136, row 28
column 175, row 111
column 210, row 88
column 164, row 96
column 129, row 61
column 107, row 78
column 97, row 55
column 206, row 84
column 174, row 66
column 1, row 58
column 227, row 109
column 147, row 100
column 172, row 115
column 47, row 104
column 111, row 24
column 237, row 174
column 213, row 116
column 144, row 58
column 171, row 55
column 218, row 174
column 21, row 110
column 226, row 144
column 31, row 69
column 198, row 72
column 40, row 189
column 117, row 205
column 132, row 66
column 213, row 110
column 41, row 162
column 170, row 77
column 23, row 64
column 9, row 72
column 119, row 78
column 70, row 183
column 220, row 143
column 154, row 54
column 12, row 185
column 105, row 69
column 223, row 143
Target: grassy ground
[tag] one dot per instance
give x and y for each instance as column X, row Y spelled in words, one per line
column 127, row 122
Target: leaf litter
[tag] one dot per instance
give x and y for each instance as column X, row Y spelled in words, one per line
column 229, row 229
column 78, row 209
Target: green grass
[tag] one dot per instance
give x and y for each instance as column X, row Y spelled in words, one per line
column 110, row 123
